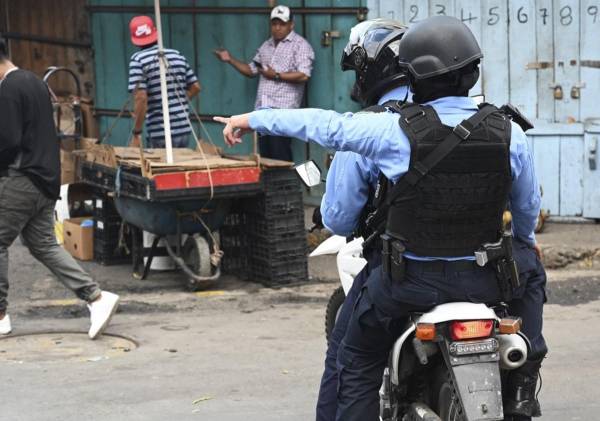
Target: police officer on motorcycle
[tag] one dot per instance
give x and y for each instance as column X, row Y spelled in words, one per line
column 452, row 169
column 372, row 53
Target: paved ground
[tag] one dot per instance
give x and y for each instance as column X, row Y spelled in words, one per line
column 240, row 351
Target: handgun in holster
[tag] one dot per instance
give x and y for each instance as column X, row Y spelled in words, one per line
column 500, row 255
column 392, row 257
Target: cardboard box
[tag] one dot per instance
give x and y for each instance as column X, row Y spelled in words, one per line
column 68, row 158
column 78, row 240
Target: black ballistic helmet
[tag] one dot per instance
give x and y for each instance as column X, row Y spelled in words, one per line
column 372, row 52
column 436, row 46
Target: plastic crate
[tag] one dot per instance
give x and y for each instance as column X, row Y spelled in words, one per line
column 275, row 205
column 110, row 253
column 104, row 207
column 276, row 226
column 234, row 243
column 108, row 229
column 281, row 180
column 282, row 273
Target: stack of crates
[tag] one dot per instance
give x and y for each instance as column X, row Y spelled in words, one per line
column 112, row 239
column 275, row 232
column 234, row 242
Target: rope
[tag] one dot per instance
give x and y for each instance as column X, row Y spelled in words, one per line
column 217, row 253
column 187, row 116
column 116, row 120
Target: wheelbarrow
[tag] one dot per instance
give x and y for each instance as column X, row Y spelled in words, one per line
column 194, row 218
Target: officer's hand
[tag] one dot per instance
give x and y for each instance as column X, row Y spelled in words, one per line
column 223, row 55
column 235, row 127
column 136, row 141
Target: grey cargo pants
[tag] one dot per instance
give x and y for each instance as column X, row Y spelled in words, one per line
column 26, row 211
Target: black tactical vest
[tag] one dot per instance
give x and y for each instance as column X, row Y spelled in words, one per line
column 458, row 205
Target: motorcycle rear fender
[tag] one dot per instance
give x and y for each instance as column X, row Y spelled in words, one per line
column 458, row 311
column 477, row 381
column 439, row 314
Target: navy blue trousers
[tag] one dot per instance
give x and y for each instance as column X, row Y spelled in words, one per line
column 327, row 401
column 527, row 303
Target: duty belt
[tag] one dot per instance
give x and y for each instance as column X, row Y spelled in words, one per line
column 442, row 265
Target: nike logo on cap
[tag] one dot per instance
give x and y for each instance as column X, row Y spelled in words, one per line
column 143, row 30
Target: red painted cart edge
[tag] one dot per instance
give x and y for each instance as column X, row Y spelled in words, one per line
column 200, row 179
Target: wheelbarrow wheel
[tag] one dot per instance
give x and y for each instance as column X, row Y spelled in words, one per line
column 196, row 252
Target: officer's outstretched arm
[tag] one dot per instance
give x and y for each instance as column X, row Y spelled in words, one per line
column 375, row 136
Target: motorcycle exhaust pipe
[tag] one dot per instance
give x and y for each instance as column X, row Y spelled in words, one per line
column 512, row 350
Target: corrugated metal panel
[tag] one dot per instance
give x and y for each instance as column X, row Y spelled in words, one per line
column 591, row 172
column 531, row 46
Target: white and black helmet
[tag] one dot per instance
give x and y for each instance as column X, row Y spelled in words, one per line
column 372, row 52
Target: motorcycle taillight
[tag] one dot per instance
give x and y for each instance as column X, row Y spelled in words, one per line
column 471, row 329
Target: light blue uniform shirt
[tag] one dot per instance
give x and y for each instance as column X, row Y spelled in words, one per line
column 349, row 180
column 378, row 137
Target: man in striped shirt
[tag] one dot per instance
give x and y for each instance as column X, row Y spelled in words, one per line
column 144, row 82
column 284, row 63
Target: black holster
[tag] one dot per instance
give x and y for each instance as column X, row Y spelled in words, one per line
column 392, row 258
column 501, row 257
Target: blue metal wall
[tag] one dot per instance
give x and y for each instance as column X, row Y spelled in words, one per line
column 532, row 49
column 224, row 90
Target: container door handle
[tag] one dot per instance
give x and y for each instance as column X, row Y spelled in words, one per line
column 593, row 157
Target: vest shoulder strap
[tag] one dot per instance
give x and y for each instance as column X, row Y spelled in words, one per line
column 391, row 105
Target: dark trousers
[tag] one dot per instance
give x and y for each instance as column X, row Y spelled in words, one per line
column 371, row 332
column 25, row 211
column 528, row 300
column 327, row 400
column 275, row 147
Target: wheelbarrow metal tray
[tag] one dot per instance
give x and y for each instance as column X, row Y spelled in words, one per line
column 174, row 217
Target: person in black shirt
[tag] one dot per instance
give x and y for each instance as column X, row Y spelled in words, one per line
column 29, row 187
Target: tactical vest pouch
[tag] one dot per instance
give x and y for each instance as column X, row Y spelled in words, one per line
column 392, row 256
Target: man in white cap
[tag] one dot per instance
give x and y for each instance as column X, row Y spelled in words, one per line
column 284, row 63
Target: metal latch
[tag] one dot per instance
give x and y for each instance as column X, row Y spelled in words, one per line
column 538, row 65
column 593, row 153
column 576, row 90
column 327, row 36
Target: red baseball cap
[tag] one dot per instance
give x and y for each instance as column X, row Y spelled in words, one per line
column 143, row 31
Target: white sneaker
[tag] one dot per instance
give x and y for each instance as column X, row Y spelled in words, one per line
column 101, row 311
column 5, row 327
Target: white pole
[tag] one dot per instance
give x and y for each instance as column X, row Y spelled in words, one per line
column 163, row 85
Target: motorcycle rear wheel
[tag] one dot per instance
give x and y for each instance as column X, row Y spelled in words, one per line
column 333, row 310
column 449, row 405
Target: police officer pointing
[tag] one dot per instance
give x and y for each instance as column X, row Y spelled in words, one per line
column 452, row 169
column 372, row 53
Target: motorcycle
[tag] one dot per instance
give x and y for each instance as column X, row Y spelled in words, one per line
column 450, row 362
